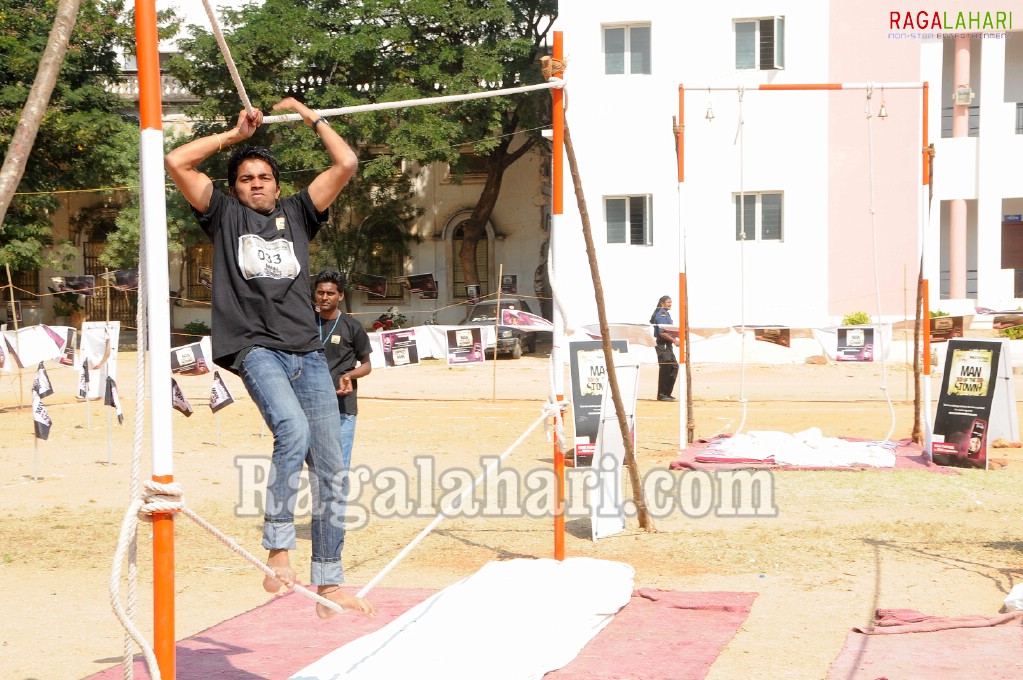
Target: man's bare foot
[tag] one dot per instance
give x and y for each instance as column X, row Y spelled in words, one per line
column 346, row 601
column 281, row 564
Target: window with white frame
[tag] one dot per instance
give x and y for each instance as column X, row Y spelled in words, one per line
column 628, row 220
column 627, row 49
column 760, row 43
column 758, row 216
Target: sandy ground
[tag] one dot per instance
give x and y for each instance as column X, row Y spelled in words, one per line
column 839, row 545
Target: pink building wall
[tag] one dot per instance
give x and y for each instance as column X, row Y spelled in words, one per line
column 861, row 51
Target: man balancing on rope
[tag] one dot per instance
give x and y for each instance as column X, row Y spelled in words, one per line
column 264, row 329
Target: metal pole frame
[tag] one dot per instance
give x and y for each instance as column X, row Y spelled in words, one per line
column 924, row 87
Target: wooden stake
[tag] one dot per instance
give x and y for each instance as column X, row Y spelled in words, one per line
column 497, row 329
column 645, row 521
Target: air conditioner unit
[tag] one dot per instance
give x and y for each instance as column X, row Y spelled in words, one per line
column 963, row 96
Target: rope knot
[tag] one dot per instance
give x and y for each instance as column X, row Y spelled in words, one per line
column 159, row 497
column 553, row 408
column 549, row 66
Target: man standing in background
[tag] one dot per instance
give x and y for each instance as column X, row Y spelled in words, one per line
column 346, row 345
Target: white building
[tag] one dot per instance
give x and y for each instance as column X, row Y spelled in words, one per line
column 829, row 191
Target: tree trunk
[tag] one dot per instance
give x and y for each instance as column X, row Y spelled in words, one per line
column 474, row 229
column 46, row 77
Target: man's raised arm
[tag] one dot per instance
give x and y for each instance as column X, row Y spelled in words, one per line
column 183, row 162
column 329, row 183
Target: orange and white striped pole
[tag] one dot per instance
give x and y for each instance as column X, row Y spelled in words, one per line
column 925, row 218
column 157, row 282
column 558, row 349
column 682, row 307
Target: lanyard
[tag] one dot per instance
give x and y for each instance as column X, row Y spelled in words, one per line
column 323, row 341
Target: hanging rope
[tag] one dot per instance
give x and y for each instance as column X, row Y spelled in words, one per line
column 739, row 138
column 227, row 56
column 138, row 440
column 877, row 267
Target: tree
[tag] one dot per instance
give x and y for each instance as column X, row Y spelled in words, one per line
column 122, row 247
column 332, row 54
column 82, row 141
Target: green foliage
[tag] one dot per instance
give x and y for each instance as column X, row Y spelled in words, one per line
column 197, row 328
column 122, row 246
column 856, row 319
column 938, row 312
column 331, row 54
column 83, row 141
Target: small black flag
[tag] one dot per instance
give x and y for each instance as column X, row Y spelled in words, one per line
column 40, row 416
column 220, row 396
column 42, row 384
column 178, row 399
column 110, row 398
column 83, row 381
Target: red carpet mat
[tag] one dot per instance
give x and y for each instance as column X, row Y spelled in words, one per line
column 907, row 644
column 659, row 635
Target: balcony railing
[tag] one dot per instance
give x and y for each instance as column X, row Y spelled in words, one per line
column 171, row 89
column 946, row 121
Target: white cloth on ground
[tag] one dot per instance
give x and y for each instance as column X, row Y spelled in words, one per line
column 809, row 447
column 512, row 620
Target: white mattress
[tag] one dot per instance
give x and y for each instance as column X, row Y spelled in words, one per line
column 517, row 619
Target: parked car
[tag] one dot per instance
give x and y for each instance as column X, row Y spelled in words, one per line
column 510, row 339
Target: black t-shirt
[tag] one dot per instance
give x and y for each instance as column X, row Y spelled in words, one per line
column 344, row 341
column 260, row 278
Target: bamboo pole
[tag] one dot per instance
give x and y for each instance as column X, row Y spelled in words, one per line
column 17, row 336
column 497, row 329
column 645, row 521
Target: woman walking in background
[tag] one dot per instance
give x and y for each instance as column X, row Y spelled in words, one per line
column 667, row 363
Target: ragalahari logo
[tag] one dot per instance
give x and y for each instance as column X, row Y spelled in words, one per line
column 950, row 21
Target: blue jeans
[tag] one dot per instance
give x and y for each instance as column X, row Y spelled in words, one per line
column 347, row 440
column 296, row 396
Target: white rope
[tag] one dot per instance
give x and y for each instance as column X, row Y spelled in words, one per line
column 138, row 440
column 559, row 424
column 446, row 99
column 126, row 543
column 164, row 498
column 227, row 56
column 548, row 411
column 877, row 279
column 739, row 138
column 382, row 106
